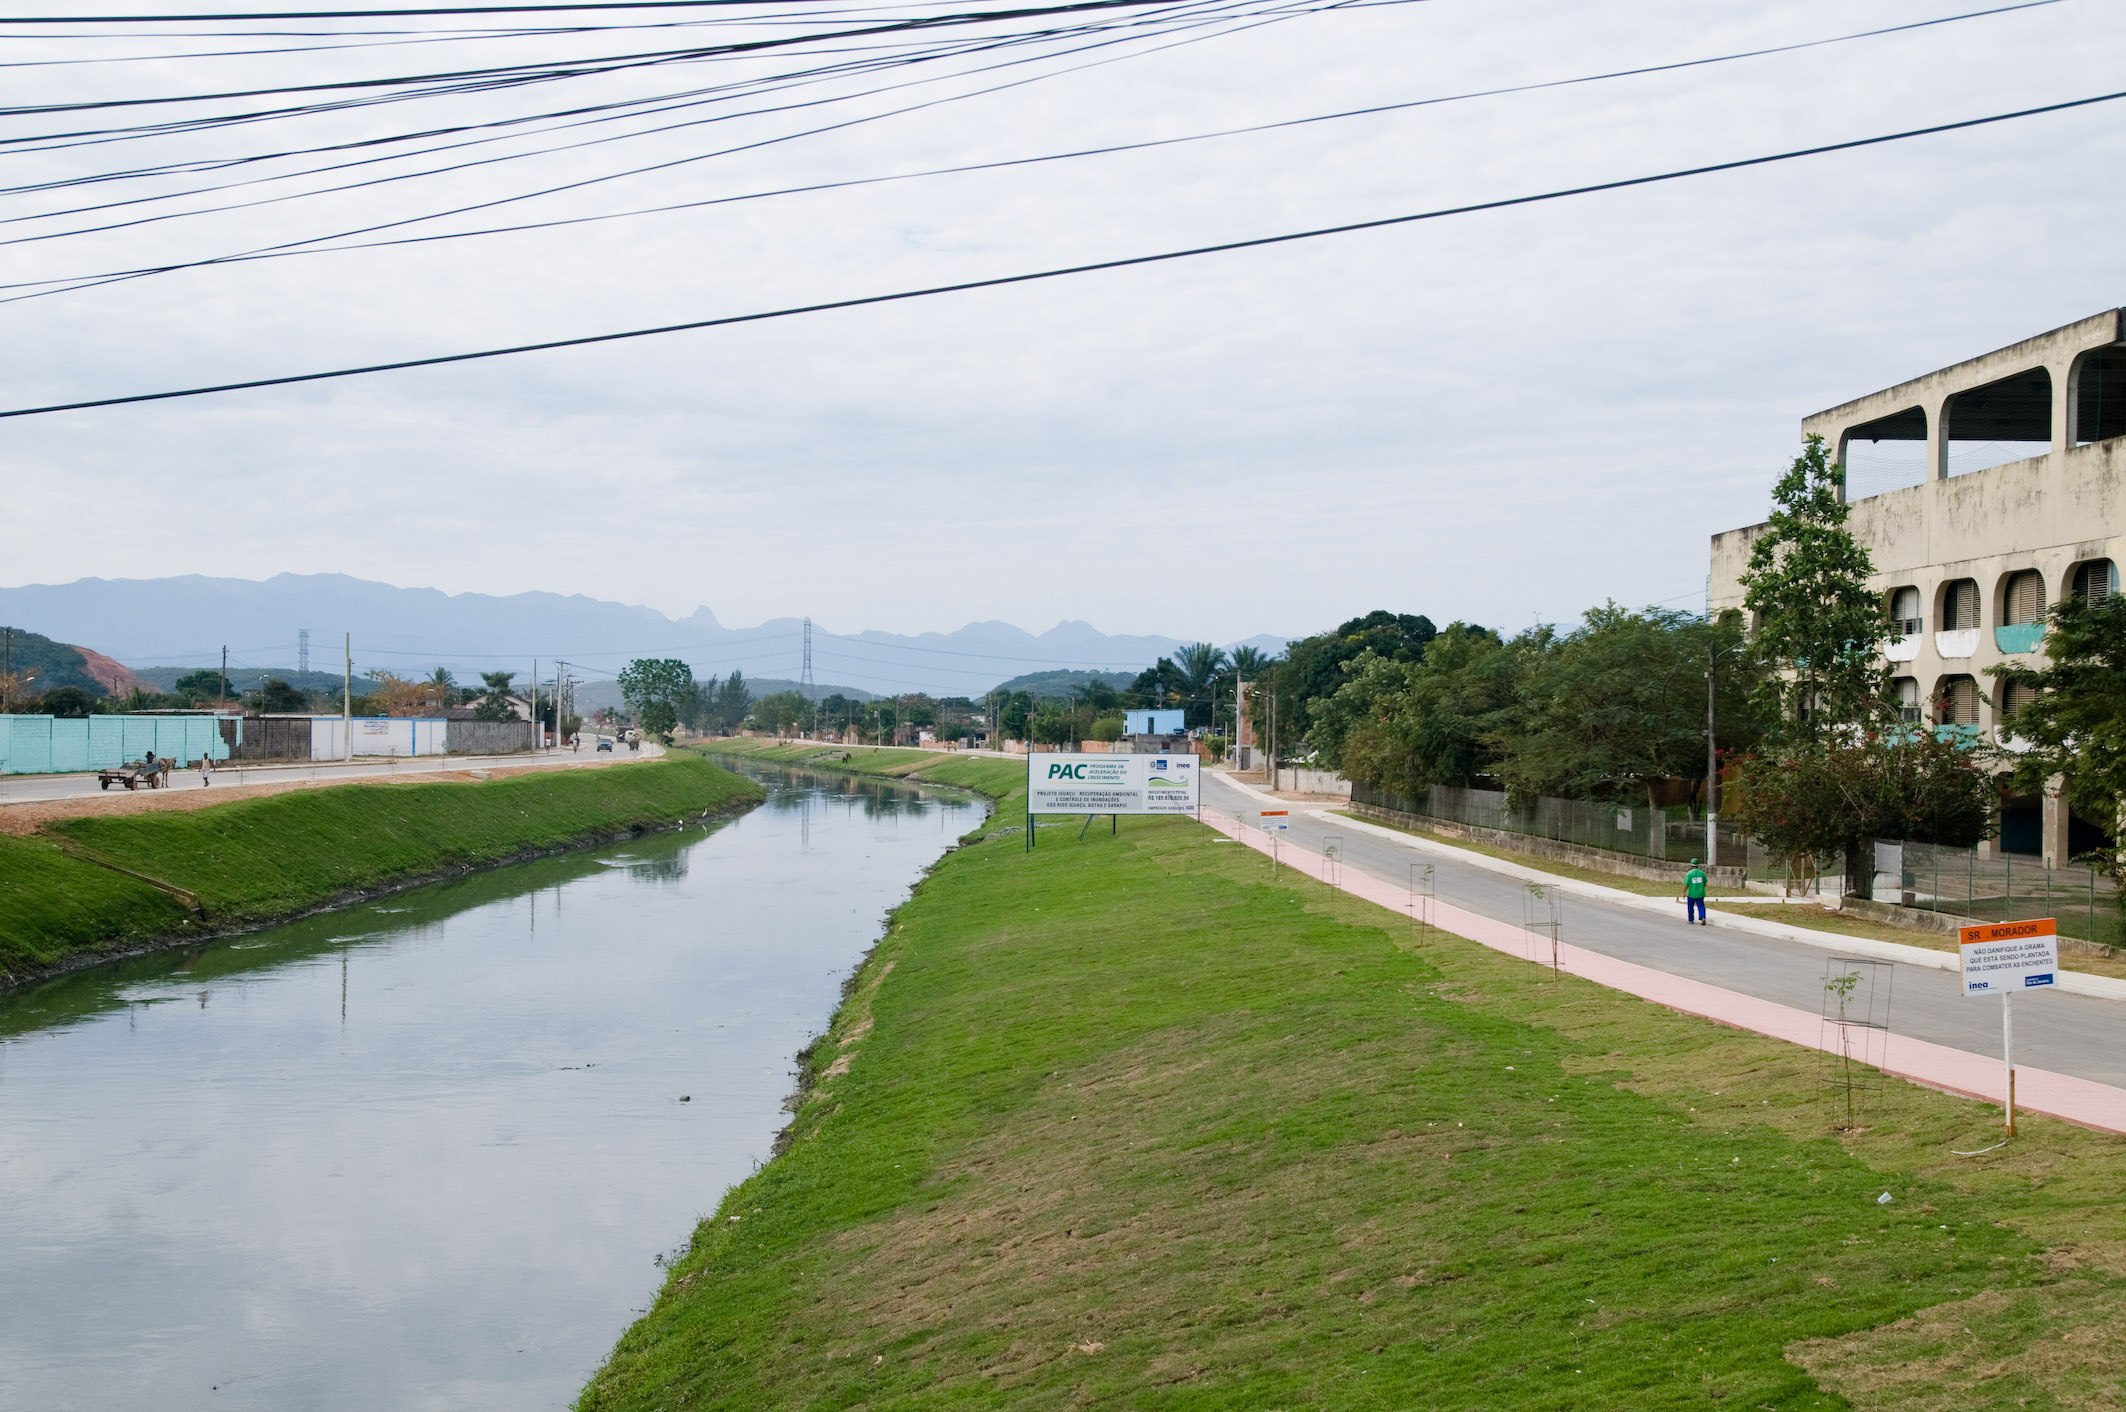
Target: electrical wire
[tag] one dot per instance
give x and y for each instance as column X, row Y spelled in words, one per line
column 1124, row 262
column 315, row 245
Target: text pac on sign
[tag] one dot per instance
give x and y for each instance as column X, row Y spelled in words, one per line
column 1111, row 784
column 2004, row 956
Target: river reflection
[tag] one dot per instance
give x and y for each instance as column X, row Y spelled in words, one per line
column 424, row 1153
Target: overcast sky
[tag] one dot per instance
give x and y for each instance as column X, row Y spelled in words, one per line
column 1500, row 417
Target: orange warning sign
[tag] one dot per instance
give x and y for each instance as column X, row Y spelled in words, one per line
column 2007, row 931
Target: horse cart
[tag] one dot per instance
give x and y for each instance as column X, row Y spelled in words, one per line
column 153, row 774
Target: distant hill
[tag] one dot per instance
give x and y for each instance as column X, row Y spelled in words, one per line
column 48, row 665
column 591, row 695
column 1056, row 686
column 188, row 620
column 243, row 679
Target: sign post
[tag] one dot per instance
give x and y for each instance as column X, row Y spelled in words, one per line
column 1060, row 783
column 1275, row 822
column 2002, row 958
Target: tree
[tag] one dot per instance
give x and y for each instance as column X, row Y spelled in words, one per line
column 1816, row 616
column 276, row 696
column 70, row 702
column 2073, row 730
column 493, row 704
column 662, row 682
column 779, row 711
column 202, row 685
column 1406, row 726
column 1200, row 667
column 1833, row 797
column 1619, row 704
column 659, row 718
column 734, row 702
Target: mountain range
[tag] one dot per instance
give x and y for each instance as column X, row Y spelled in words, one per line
column 187, row 621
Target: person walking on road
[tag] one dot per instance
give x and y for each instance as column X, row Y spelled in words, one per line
column 1694, row 895
column 206, row 769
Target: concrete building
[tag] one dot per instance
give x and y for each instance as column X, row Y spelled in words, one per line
column 1983, row 492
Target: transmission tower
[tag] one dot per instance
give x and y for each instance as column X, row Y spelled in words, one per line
column 302, row 650
column 805, row 683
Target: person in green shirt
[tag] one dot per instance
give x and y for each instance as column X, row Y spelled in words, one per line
column 1694, row 895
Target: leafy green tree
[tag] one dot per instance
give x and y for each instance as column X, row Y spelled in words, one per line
column 1817, row 619
column 658, row 718
column 656, row 681
column 780, row 711
column 1412, row 725
column 1015, row 714
column 70, row 702
column 734, row 701
column 2073, row 730
column 1619, row 704
column 493, row 704
column 202, row 685
column 277, row 697
column 1833, row 797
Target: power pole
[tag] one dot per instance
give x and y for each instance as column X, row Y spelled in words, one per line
column 347, row 703
column 538, row 734
column 225, row 674
column 7, row 666
column 302, row 651
column 1712, row 771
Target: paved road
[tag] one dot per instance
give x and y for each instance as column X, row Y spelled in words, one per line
column 2068, row 1034
column 17, row 789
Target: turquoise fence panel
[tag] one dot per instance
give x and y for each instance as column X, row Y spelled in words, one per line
column 42, row 745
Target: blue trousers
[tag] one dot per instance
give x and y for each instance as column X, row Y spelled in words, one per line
column 1693, row 909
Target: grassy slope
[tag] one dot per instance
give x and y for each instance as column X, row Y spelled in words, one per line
column 253, row 859
column 1128, row 1123
column 52, row 906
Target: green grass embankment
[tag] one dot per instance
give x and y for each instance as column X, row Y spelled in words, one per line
column 256, row 860
column 1131, row 1123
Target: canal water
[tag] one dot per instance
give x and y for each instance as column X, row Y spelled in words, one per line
column 428, row 1152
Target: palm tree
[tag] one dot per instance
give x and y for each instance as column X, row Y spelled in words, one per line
column 1249, row 662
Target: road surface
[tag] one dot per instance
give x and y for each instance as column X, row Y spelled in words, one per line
column 2084, row 1036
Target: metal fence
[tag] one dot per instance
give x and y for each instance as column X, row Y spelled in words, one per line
column 2008, row 888
column 1620, row 828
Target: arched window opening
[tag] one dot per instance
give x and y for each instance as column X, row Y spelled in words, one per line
column 2095, row 580
column 1907, row 689
column 1888, row 453
column 2100, row 394
column 2015, row 696
column 1906, row 616
column 1959, row 605
column 2023, row 600
column 2008, row 420
column 1956, row 703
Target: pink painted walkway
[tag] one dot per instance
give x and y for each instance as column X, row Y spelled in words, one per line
column 1957, row 1071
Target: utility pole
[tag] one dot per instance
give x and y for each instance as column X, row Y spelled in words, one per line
column 538, row 733
column 557, row 703
column 1712, row 771
column 225, row 674
column 347, row 704
column 7, row 666
column 806, row 685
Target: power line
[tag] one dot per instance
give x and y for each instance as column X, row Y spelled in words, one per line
column 1124, row 262
column 313, row 245
column 230, row 17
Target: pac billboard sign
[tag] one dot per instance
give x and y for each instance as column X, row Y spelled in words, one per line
column 1111, row 784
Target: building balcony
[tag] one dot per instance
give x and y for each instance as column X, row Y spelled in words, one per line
column 1903, row 649
column 2019, row 637
column 1956, row 642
